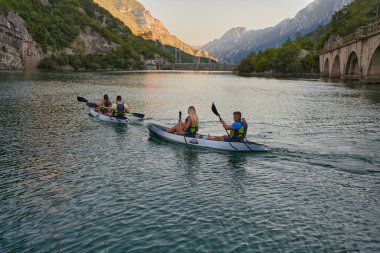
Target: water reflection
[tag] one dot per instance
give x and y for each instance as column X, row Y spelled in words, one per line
column 237, row 160
column 65, row 171
column 120, row 130
column 367, row 91
column 191, row 164
column 237, row 163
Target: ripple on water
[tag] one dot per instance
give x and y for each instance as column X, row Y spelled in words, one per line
column 70, row 183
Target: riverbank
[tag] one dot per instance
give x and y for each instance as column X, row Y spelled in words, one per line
column 279, row 75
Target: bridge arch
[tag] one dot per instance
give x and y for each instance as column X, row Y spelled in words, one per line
column 352, row 67
column 335, row 71
column 374, row 64
column 326, row 68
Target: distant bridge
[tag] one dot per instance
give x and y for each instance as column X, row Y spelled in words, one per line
column 201, row 67
column 355, row 57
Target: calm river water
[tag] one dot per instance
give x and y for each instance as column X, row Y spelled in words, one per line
column 69, row 183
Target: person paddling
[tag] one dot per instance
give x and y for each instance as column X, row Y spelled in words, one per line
column 105, row 106
column 120, row 108
column 238, row 129
column 190, row 127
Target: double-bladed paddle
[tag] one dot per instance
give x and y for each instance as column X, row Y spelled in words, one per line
column 93, row 105
column 80, row 99
column 215, row 111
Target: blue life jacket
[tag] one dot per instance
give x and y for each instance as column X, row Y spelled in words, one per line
column 241, row 133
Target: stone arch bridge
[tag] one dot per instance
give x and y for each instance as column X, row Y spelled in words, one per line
column 356, row 57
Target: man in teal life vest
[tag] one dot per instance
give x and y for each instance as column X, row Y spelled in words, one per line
column 120, row 108
column 238, row 129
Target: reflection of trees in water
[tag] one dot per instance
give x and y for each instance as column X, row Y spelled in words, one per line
column 237, row 163
column 120, row 130
column 237, row 160
column 188, row 160
column 366, row 91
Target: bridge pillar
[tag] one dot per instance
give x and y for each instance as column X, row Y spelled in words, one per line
column 372, row 71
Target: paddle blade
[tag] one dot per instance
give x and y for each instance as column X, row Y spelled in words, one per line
column 214, row 110
column 139, row 115
column 92, row 105
column 80, row 99
column 180, row 115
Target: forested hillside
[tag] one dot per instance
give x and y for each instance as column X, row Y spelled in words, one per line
column 56, row 25
column 346, row 21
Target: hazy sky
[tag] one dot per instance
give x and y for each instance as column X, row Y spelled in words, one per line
column 199, row 21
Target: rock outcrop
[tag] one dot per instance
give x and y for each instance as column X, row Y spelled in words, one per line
column 18, row 50
column 134, row 15
column 89, row 41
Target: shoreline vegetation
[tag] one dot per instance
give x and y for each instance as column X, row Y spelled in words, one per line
column 294, row 57
column 279, row 75
column 299, row 57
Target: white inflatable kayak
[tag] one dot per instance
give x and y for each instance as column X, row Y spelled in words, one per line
column 128, row 119
column 201, row 141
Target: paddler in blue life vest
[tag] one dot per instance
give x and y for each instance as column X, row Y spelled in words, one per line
column 189, row 128
column 105, row 106
column 119, row 108
column 238, row 129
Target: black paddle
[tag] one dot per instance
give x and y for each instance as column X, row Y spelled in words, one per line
column 93, row 105
column 80, row 99
column 138, row 115
column 215, row 111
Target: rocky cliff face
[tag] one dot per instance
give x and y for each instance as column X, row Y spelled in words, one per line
column 18, row 50
column 238, row 43
column 134, row 15
column 90, row 41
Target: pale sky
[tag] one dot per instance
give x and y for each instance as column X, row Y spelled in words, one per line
column 199, row 21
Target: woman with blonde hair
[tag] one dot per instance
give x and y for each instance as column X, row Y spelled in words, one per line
column 190, row 127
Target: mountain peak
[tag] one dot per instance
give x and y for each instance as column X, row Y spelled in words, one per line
column 234, row 33
column 238, row 42
column 134, row 15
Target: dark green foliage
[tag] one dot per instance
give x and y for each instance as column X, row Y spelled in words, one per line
column 283, row 60
column 52, row 26
column 4, row 7
column 119, row 58
column 346, row 21
column 310, row 64
column 287, row 58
